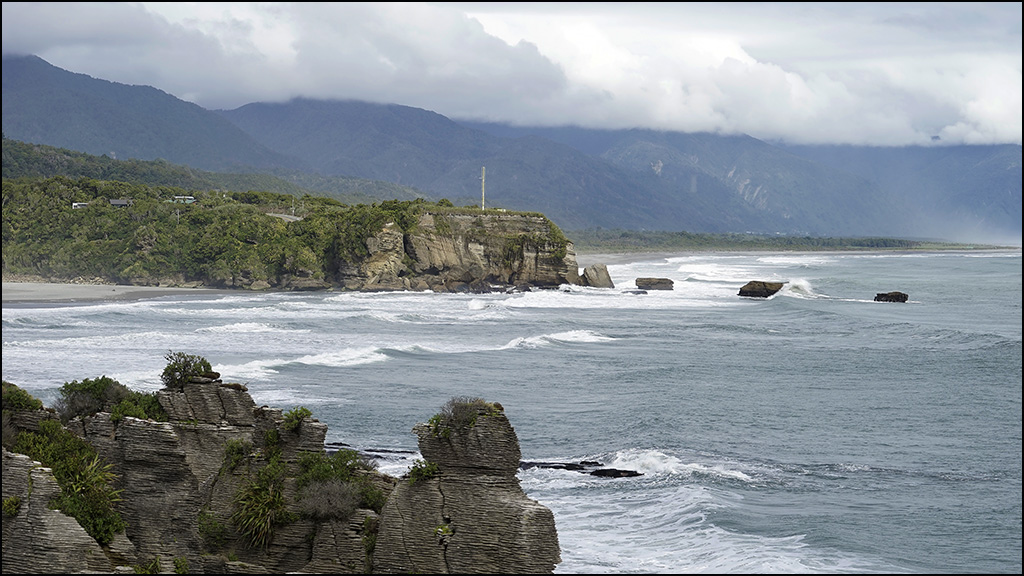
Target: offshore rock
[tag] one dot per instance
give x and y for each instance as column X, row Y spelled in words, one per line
column 760, row 289
column 654, row 283
column 891, row 297
column 472, row 516
column 586, row 467
column 596, row 276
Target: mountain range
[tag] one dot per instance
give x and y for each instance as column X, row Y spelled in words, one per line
column 580, row 178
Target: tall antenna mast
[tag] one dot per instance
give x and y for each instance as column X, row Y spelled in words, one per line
column 483, row 183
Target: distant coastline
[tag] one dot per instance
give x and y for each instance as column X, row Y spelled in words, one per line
column 26, row 290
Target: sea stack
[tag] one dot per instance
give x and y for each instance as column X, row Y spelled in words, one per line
column 468, row 514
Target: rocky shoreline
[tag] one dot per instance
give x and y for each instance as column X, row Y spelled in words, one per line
column 183, row 485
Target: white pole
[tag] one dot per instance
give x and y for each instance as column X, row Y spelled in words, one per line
column 483, row 182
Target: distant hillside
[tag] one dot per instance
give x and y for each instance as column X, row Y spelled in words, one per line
column 954, row 192
column 24, row 160
column 579, row 178
column 968, row 191
column 383, row 142
column 44, row 104
column 636, row 179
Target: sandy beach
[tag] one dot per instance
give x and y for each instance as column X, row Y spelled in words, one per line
column 24, row 292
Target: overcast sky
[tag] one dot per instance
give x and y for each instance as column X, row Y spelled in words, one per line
column 855, row 73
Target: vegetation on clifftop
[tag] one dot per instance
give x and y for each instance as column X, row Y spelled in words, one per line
column 68, row 215
column 87, row 491
column 62, row 228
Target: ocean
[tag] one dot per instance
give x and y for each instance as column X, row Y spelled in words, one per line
column 816, row 431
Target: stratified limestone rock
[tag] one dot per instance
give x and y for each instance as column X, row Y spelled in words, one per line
column 473, row 516
column 39, row 540
column 339, row 548
column 172, row 472
column 178, row 495
column 157, row 481
column 596, row 276
column 464, row 253
column 210, row 402
column 654, row 283
column 760, row 289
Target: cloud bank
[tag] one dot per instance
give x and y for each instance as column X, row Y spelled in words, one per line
column 885, row 74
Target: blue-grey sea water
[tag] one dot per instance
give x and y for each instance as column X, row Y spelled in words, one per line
column 816, row 431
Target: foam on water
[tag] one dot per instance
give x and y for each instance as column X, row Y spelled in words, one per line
column 805, row 434
column 285, row 398
column 556, row 338
column 346, row 357
column 799, row 288
column 98, row 341
column 666, row 528
column 245, row 327
column 654, row 526
column 797, row 260
column 654, row 462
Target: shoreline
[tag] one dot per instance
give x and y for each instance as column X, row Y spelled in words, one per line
column 16, row 292
column 55, row 292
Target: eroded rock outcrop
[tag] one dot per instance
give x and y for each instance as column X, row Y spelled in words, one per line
column 596, row 276
column 182, row 480
column 178, row 492
column 454, row 252
column 36, row 539
column 437, row 525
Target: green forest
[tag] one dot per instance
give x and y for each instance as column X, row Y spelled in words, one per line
column 68, row 215
column 66, row 228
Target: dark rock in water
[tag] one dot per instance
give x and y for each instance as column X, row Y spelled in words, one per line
column 654, row 283
column 891, row 297
column 760, row 289
column 634, row 291
column 615, row 473
column 553, row 465
column 586, row 466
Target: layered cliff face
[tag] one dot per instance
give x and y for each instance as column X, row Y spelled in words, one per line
column 452, row 252
column 219, row 488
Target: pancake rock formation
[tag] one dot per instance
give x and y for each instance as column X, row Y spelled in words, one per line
column 222, row 486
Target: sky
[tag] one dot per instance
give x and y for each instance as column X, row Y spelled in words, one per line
column 861, row 73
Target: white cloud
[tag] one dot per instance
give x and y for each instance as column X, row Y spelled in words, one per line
column 861, row 73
